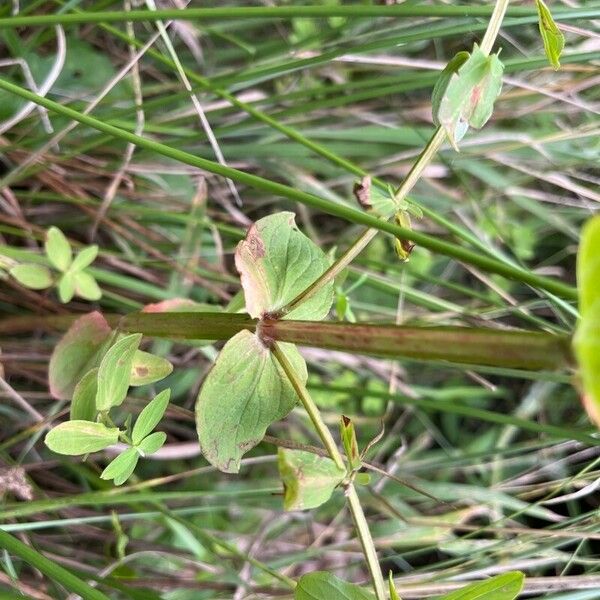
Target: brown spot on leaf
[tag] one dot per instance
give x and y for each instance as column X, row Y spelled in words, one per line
column 141, row 371
column 362, row 192
column 255, row 245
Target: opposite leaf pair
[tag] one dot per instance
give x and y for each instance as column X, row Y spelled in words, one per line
column 247, row 389
column 97, row 367
column 74, row 279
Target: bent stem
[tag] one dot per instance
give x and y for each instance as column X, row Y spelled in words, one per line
column 358, row 515
column 430, row 150
column 426, row 156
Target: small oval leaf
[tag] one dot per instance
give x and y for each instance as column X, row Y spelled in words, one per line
column 66, row 288
column 34, row 277
column 148, row 368
column 150, row 417
column 501, row 587
column 85, row 258
column 244, row 392
column 86, row 286
column 83, row 405
column 58, row 249
column 469, row 96
column 153, row 442
column 121, row 467
column 115, row 371
column 80, row 437
column 554, row 40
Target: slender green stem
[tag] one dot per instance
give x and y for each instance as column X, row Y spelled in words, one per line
column 532, row 350
column 358, row 516
column 49, row 568
column 493, row 28
column 311, row 408
column 265, row 12
column 354, row 250
column 345, row 212
column 461, row 345
column 366, row 541
column 407, row 184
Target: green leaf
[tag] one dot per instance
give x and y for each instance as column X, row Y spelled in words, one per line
column 85, row 258
column 78, row 351
column 152, row 443
column 586, row 341
column 348, row 436
column 393, row 592
column 321, row 585
column 586, row 344
column 588, row 265
column 469, row 97
column 86, row 286
column 308, row 479
column 83, row 405
column 277, row 262
column 58, row 249
column 439, row 89
column 501, row 587
column 148, row 368
column 115, row 371
column 150, row 417
column 34, row 277
column 245, row 391
column 374, row 199
column 80, row 437
column 554, row 40
column 121, row 467
column 66, row 287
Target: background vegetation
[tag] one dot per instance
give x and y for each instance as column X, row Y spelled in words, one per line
column 506, row 458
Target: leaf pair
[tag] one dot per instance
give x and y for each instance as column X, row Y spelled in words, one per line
column 465, row 93
column 247, row 390
column 74, row 278
column 97, row 392
column 144, row 442
column 321, row 585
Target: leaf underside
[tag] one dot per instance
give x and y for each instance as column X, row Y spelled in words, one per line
column 308, row 479
column 245, row 391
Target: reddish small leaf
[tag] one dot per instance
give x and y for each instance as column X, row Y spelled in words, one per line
column 77, row 352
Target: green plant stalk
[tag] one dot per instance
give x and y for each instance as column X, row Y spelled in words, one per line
column 463, row 345
column 356, row 216
column 49, row 568
column 532, row 350
column 493, row 28
column 358, row 515
column 282, row 12
column 400, row 195
column 407, row 184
